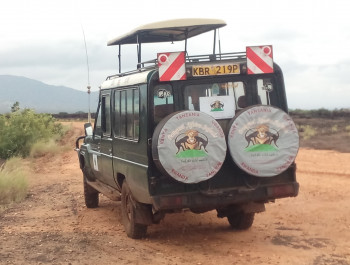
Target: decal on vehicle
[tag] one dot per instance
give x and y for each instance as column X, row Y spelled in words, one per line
column 94, row 158
column 189, row 146
column 163, row 93
column 219, row 107
column 259, row 59
column 263, row 141
column 261, row 138
column 171, row 66
column 192, row 142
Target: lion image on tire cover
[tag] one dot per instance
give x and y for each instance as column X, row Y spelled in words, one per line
column 191, row 141
column 261, row 135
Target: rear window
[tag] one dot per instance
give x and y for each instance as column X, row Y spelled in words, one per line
column 220, row 100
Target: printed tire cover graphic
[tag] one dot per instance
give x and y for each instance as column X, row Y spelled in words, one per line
column 263, row 140
column 189, row 146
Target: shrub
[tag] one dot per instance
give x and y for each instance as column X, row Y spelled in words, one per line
column 43, row 147
column 13, row 182
column 19, row 130
column 307, row 131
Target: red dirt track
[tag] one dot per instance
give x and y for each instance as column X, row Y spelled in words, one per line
column 53, row 226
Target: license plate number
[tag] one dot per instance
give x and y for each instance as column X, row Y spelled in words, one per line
column 223, row 69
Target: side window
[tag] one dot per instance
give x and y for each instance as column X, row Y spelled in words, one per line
column 163, row 101
column 264, row 88
column 106, row 115
column 98, row 129
column 136, row 114
column 126, row 113
column 129, row 114
column 117, row 114
column 123, row 113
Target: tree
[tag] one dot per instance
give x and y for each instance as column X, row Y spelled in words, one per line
column 15, row 107
column 19, row 130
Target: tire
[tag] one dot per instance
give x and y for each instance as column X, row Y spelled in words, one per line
column 189, row 146
column 241, row 220
column 263, row 140
column 129, row 209
column 90, row 195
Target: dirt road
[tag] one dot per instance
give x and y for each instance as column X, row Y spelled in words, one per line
column 52, row 226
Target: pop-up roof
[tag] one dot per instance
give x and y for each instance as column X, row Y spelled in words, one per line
column 168, row 31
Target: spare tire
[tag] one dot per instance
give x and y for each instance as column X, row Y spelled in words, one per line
column 189, row 146
column 263, row 140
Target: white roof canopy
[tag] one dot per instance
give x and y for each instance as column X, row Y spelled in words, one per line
column 168, row 31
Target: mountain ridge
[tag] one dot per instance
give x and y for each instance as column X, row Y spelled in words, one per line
column 41, row 97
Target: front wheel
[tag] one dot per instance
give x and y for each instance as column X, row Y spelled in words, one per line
column 241, row 220
column 129, row 209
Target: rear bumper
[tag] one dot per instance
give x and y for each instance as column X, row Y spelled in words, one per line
column 219, row 198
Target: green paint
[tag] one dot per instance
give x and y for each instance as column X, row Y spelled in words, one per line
column 261, row 148
column 191, row 153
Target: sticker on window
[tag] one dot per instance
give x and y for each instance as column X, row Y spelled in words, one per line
column 219, row 107
column 163, row 93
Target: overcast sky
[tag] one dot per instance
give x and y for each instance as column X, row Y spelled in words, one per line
column 43, row 40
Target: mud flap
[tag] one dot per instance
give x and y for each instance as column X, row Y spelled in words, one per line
column 143, row 213
column 253, row 207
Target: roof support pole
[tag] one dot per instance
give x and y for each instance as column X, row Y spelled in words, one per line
column 119, row 59
column 138, row 52
column 185, row 46
column 219, row 43
column 214, row 41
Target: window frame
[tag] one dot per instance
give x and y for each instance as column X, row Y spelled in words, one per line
column 121, row 132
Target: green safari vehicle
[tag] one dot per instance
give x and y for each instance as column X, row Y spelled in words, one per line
column 198, row 132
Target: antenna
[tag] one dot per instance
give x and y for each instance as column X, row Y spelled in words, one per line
column 88, row 74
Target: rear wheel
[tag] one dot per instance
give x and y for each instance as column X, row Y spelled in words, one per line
column 90, row 195
column 129, row 208
column 241, row 220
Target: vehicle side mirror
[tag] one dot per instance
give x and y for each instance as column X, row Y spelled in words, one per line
column 88, row 129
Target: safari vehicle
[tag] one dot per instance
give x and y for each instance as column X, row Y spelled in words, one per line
column 198, row 132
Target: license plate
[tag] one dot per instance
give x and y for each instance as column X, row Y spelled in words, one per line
column 221, row 69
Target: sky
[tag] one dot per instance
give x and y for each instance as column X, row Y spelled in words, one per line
column 44, row 40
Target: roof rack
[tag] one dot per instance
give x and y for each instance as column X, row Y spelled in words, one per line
column 152, row 64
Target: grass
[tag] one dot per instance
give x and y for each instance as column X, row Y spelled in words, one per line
column 42, row 148
column 307, row 131
column 51, row 146
column 13, row 182
column 324, row 133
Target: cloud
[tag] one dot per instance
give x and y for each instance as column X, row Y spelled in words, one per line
column 316, row 86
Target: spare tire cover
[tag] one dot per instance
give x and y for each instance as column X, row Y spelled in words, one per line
column 263, row 140
column 189, row 146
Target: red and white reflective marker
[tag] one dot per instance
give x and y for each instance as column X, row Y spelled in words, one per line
column 259, row 59
column 171, row 66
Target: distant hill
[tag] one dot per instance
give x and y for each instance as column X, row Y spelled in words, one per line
column 42, row 97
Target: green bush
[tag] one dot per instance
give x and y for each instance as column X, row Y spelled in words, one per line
column 13, row 182
column 19, row 130
column 307, row 131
